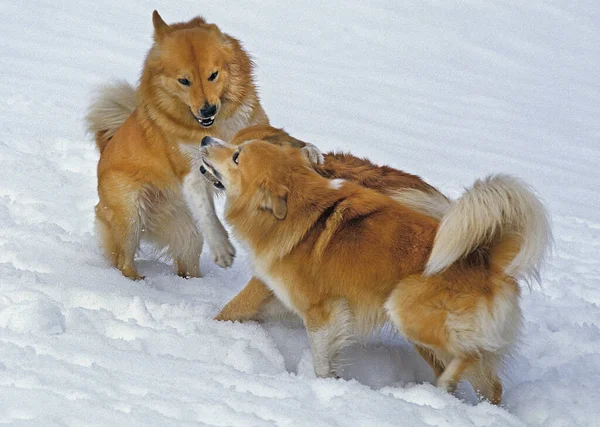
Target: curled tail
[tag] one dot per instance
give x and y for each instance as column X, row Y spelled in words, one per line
column 502, row 214
column 109, row 110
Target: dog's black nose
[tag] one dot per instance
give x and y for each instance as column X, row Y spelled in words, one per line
column 206, row 141
column 208, row 111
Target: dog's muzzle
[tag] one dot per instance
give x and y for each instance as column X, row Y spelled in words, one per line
column 211, row 175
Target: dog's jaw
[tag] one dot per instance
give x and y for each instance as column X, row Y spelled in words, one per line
column 206, row 122
column 209, row 174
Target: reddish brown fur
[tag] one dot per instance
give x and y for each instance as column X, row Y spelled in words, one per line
column 319, row 247
column 141, row 168
column 383, row 179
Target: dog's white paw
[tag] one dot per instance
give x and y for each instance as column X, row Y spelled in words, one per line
column 222, row 252
column 313, row 153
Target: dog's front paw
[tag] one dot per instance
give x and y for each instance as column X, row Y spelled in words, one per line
column 229, row 315
column 313, row 153
column 223, row 252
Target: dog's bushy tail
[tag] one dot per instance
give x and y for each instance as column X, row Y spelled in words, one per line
column 110, row 108
column 500, row 213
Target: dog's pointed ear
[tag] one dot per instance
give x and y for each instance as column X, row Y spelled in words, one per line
column 198, row 21
column 273, row 198
column 161, row 28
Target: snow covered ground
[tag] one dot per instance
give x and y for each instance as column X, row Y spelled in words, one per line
column 450, row 90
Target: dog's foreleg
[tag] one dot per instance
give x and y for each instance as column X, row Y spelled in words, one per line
column 198, row 195
column 329, row 328
column 248, row 304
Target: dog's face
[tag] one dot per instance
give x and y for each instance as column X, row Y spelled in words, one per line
column 254, row 174
column 191, row 63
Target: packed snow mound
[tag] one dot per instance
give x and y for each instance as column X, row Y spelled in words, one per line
column 450, row 91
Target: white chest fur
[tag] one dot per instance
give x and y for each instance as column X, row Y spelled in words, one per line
column 275, row 284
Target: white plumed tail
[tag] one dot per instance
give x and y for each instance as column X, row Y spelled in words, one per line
column 493, row 209
column 113, row 104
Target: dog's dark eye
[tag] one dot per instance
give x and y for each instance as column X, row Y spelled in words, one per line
column 184, row 82
column 235, row 157
column 213, row 76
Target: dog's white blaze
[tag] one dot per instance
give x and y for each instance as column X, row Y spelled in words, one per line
column 336, row 184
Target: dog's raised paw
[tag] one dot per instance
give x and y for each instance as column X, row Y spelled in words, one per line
column 313, row 153
column 223, row 253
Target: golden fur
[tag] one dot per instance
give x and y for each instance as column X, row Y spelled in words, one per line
column 147, row 140
column 256, row 301
column 347, row 259
column 386, row 180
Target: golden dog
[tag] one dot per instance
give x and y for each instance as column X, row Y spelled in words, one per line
column 196, row 81
column 348, row 259
column 256, row 301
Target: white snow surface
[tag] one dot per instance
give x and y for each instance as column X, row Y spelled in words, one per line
column 449, row 90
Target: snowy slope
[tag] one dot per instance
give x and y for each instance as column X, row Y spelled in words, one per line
column 446, row 89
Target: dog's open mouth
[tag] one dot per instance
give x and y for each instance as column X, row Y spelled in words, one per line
column 208, row 122
column 204, row 121
column 210, row 175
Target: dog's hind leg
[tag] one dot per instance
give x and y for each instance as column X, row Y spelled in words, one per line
column 173, row 227
column 187, row 243
column 119, row 228
column 431, row 360
column 188, row 267
column 454, row 371
column 329, row 328
column 187, row 264
column 485, row 380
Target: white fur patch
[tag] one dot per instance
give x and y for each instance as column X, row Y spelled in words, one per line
column 198, row 195
column 392, row 311
column 433, row 205
column 111, row 107
column 278, row 288
column 493, row 331
column 239, row 120
column 327, row 341
column 499, row 204
column 191, row 152
column 483, row 329
column 336, row 184
column 313, row 154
